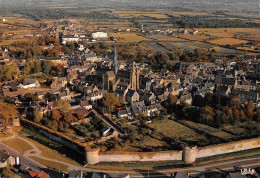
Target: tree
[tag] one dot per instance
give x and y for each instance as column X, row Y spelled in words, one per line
column 29, row 97
column 37, row 116
column 59, row 68
column 62, row 105
column 250, row 110
column 172, row 99
column 207, row 115
column 46, row 67
column 236, row 114
column 7, row 113
column 49, row 96
column 110, row 101
column 9, row 72
column 69, row 118
column 6, row 172
column 198, row 100
column 37, row 66
column 234, row 101
column 242, row 115
column 56, row 115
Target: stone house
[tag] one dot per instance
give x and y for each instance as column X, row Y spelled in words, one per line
column 30, row 83
column 131, row 96
column 6, row 159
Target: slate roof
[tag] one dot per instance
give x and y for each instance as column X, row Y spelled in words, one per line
column 130, row 93
column 3, row 156
column 29, row 81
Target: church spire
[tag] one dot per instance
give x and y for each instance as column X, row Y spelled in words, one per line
column 116, row 63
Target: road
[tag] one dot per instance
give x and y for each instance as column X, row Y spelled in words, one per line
column 23, row 160
column 138, row 173
column 108, row 121
column 35, row 151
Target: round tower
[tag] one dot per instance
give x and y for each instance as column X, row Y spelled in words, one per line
column 16, row 122
column 92, row 155
column 189, row 155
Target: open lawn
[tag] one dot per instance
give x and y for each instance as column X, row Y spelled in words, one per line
column 210, row 130
column 47, row 151
column 50, row 164
column 165, row 38
column 18, row 145
column 127, row 166
column 128, row 37
column 134, row 13
column 228, row 32
column 6, row 134
column 171, row 128
column 227, row 41
column 177, row 14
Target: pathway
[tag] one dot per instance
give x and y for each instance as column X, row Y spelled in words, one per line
column 37, row 153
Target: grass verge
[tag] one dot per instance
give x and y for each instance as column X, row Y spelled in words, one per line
column 46, row 146
column 50, row 164
column 18, row 145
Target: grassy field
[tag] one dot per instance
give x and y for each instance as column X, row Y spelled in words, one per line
column 138, row 14
column 228, row 32
column 210, row 130
column 128, row 37
column 177, row 14
column 253, row 153
column 6, row 134
column 173, row 129
column 18, row 145
column 129, row 166
column 229, row 156
column 227, row 41
column 50, row 164
column 49, row 148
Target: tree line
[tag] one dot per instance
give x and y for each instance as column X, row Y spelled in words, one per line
column 203, row 21
column 214, row 110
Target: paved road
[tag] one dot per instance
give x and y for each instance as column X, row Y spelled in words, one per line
column 108, row 121
column 137, row 173
column 23, row 160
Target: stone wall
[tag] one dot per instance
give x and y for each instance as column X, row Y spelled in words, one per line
column 139, row 156
column 55, row 136
column 188, row 155
column 228, row 147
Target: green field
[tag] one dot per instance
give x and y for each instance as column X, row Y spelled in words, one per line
column 18, row 145
column 210, row 130
column 171, row 128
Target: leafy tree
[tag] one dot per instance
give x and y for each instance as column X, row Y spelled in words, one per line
column 110, row 101
column 236, row 114
column 59, row 68
column 7, row 113
column 46, row 67
column 6, row 172
column 37, row 66
column 29, row 97
column 56, row 115
column 62, row 105
column 207, row 115
column 172, row 99
column 9, row 72
column 69, row 118
column 198, row 100
column 250, row 110
column 242, row 115
column 37, row 116
column 49, row 96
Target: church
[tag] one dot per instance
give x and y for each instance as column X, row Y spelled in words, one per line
column 119, row 81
